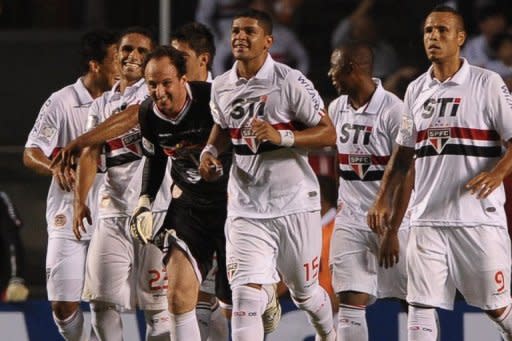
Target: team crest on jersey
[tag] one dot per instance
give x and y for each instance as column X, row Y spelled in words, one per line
column 131, row 142
column 250, row 138
column 438, row 138
column 360, row 164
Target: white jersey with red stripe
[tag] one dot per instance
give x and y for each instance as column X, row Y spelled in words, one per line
column 61, row 119
column 123, row 154
column 267, row 180
column 365, row 139
column 456, row 128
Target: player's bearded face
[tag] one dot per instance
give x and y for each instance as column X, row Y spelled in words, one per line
column 442, row 36
column 165, row 86
column 248, row 39
column 133, row 50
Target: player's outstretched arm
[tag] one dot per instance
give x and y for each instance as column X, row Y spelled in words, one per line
column 112, row 127
column 85, row 175
column 486, row 182
column 395, row 174
column 210, row 166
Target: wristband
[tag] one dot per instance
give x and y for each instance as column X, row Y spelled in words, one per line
column 209, row 148
column 287, row 138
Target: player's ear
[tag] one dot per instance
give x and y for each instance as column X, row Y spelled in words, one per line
column 269, row 40
column 94, row 66
column 461, row 38
column 204, row 58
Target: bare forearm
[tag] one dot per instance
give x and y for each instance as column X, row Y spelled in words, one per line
column 321, row 135
column 112, row 127
column 35, row 159
column 219, row 138
column 504, row 166
column 401, row 199
column 86, row 173
column 396, row 172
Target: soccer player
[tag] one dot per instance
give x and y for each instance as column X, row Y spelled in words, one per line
column 367, row 119
column 274, row 202
column 62, row 118
column 120, row 274
column 175, row 122
column 456, row 116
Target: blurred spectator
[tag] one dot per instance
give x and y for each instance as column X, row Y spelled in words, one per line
column 398, row 81
column 491, row 21
column 361, row 26
column 12, row 264
column 286, row 47
column 502, row 47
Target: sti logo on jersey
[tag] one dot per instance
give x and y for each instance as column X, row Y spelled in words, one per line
column 253, row 108
column 444, row 106
column 360, row 164
column 438, row 138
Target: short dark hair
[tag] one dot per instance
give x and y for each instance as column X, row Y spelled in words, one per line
column 361, row 53
column 139, row 30
column 199, row 37
column 264, row 19
column 449, row 9
column 94, row 46
column 176, row 57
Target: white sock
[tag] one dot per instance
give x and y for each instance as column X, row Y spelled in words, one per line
column 504, row 323
column 248, row 306
column 72, row 328
column 352, row 323
column 318, row 308
column 203, row 314
column 422, row 324
column 184, row 326
column 219, row 330
column 106, row 321
column 158, row 325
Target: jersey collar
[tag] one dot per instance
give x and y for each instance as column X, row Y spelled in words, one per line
column 83, row 94
column 128, row 91
column 373, row 105
column 265, row 72
column 457, row 79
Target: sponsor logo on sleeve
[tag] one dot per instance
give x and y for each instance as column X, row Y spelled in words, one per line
column 148, row 146
column 59, row 220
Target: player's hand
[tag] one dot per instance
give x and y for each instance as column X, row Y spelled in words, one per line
column 141, row 222
column 81, row 211
column 210, row 167
column 65, row 178
column 67, row 157
column 378, row 217
column 484, row 184
column 265, row 132
column 389, row 248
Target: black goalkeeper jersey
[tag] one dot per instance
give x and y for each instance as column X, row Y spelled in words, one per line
column 182, row 140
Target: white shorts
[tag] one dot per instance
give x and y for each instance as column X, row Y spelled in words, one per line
column 122, row 271
column 65, row 269
column 355, row 266
column 257, row 250
column 474, row 260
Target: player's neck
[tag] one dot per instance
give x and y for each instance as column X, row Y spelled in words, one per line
column 363, row 94
column 203, row 75
column 249, row 68
column 125, row 82
column 446, row 69
column 93, row 87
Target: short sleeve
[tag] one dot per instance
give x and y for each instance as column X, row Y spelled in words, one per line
column 407, row 132
column 303, row 99
column 218, row 118
column 500, row 106
column 44, row 134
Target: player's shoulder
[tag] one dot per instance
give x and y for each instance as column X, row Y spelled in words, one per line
column 337, row 104
column 62, row 98
column 484, row 76
column 145, row 109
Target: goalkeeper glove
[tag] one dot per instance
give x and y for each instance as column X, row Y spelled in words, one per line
column 141, row 222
